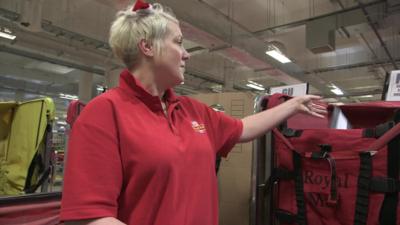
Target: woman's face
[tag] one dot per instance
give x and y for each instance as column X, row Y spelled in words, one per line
column 170, row 63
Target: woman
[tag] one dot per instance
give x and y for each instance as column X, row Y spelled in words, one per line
column 140, row 155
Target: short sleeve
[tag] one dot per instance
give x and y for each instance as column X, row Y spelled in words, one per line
column 225, row 130
column 93, row 176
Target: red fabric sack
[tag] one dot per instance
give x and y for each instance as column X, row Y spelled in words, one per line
column 338, row 177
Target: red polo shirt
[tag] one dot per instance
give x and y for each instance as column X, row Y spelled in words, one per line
column 127, row 160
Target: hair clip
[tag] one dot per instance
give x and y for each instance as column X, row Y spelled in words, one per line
column 139, row 5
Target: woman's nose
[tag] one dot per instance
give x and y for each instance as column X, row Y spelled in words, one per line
column 185, row 55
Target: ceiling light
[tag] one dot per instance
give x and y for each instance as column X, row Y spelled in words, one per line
column 216, row 88
column 49, row 67
column 365, row 96
column 336, row 90
column 61, row 122
column 275, row 53
column 255, row 85
column 6, row 33
column 69, row 97
column 101, row 88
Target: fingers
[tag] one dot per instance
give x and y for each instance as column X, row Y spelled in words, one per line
column 313, row 97
column 311, row 104
column 308, row 98
column 317, row 115
column 316, row 109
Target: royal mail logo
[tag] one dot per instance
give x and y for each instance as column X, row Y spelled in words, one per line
column 200, row 128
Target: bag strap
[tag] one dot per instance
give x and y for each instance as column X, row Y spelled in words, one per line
column 363, row 183
column 388, row 212
column 36, row 164
column 277, row 174
column 301, row 218
column 285, row 217
column 324, row 154
column 283, row 138
column 42, row 179
column 385, row 139
column 378, row 131
column 384, row 185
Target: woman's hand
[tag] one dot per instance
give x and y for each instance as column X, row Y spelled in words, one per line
column 309, row 104
column 260, row 123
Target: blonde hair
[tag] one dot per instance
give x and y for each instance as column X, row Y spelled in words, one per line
column 130, row 27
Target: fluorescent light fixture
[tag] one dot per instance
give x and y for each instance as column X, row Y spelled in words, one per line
column 216, row 88
column 336, row 90
column 49, row 67
column 8, row 36
column 6, row 33
column 100, row 88
column 365, row 96
column 274, row 53
column 255, row 85
column 69, row 97
column 61, row 122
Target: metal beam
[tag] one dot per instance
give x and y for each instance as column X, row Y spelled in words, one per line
column 355, row 94
column 21, row 73
column 303, row 22
column 351, row 66
column 370, row 22
column 26, row 86
column 44, row 58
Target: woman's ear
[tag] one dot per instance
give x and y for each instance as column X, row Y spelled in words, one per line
column 146, row 48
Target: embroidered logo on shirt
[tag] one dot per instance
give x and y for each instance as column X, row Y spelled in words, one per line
column 200, row 128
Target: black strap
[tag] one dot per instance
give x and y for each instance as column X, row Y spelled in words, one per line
column 276, row 175
column 285, row 217
column 298, row 182
column 384, row 185
column 362, row 200
column 289, row 132
column 282, row 174
column 378, row 130
column 33, row 188
column 323, row 153
column 39, row 165
column 333, row 195
column 388, row 213
column 36, row 164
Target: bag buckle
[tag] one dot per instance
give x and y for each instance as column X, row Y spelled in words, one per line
column 323, row 153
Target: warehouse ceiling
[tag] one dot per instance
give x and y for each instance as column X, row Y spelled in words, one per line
column 350, row 44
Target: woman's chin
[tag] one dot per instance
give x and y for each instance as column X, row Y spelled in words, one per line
column 177, row 81
column 181, row 79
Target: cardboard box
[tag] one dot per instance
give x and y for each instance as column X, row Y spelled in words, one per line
column 234, row 176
